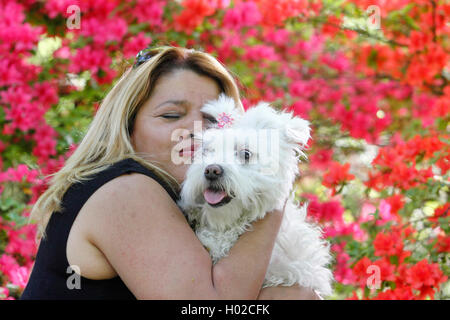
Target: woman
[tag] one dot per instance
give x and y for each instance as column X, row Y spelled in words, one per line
column 115, row 231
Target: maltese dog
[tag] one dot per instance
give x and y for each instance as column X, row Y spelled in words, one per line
column 246, row 167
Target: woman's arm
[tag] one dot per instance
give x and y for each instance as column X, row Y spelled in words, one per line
column 240, row 275
column 146, row 239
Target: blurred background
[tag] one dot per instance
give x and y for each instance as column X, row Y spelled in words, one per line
column 372, row 77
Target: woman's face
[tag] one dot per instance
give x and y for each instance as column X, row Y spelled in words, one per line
column 174, row 104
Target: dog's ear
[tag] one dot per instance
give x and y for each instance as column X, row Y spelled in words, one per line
column 223, row 104
column 297, row 130
column 262, row 116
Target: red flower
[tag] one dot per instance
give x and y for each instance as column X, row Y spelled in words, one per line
column 441, row 212
column 332, row 26
column 336, row 175
column 193, row 14
column 380, row 270
column 360, row 270
column 275, row 12
column 396, row 202
column 443, row 243
column 425, row 277
column 325, row 211
column 386, row 269
column 444, row 162
column 399, row 293
column 388, row 245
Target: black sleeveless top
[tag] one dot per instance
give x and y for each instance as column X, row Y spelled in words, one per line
column 52, row 277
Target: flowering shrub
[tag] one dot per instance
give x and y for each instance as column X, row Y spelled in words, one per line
column 378, row 98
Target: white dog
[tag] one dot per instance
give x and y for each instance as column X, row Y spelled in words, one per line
column 245, row 168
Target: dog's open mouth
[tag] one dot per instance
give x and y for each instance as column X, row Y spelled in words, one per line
column 216, row 197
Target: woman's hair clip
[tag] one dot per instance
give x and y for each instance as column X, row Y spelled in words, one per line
column 147, row 54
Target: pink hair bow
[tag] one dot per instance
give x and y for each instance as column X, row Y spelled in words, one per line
column 224, row 120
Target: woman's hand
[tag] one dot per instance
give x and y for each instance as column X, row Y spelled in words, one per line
column 295, row 292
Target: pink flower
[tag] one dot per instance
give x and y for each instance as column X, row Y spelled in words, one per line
column 135, row 44
column 423, row 108
column 46, row 93
column 21, row 174
column 342, row 273
column 278, row 37
column 301, row 88
column 337, row 61
column 150, row 13
column 16, row 35
column 22, row 242
column 385, row 213
column 9, row 73
column 366, row 213
column 321, row 159
column 7, row 264
column 16, row 95
column 244, row 14
column 4, row 293
column 45, row 141
column 19, row 277
column 309, row 48
column 25, row 116
column 58, row 7
column 62, row 53
column 112, row 29
column 90, row 58
column 260, row 52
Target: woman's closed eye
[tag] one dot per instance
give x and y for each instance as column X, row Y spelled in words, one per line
column 171, row 116
column 174, row 116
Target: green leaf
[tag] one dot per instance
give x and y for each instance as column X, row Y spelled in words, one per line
column 7, row 204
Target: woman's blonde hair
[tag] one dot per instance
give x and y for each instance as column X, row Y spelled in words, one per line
column 107, row 139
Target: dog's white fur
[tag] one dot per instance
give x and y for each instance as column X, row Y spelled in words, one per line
column 299, row 255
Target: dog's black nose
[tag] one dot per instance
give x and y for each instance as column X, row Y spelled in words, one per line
column 213, row 171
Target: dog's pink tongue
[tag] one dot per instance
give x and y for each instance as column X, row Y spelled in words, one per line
column 213, row 197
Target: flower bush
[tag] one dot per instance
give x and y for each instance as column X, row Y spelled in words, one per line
column 374, row 84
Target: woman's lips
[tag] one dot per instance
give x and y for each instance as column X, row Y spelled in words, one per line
column 189, row 152
column 185, row 153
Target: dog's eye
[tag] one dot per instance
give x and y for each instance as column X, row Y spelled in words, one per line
column 245, row 155
column 206, row 150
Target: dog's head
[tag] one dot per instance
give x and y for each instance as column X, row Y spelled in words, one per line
column 246, row 164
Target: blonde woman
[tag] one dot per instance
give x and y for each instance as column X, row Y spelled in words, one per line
column 109, row 226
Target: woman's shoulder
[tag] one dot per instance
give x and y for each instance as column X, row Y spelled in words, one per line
column 129, row 165
column 124, row 203
column 130, row 189
column 115, row 175
column 131, row 185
